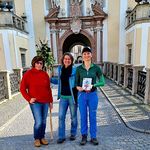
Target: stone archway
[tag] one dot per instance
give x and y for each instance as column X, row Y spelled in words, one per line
column 74, row 39
column 69, row 40
column 76, row 29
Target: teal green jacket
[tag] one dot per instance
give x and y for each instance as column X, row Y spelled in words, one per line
column 94, row 72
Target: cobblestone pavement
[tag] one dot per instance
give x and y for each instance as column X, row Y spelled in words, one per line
column 8, row 108
column 132, row 110
column 111, row 132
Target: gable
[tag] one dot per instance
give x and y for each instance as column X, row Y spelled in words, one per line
column 97, row 10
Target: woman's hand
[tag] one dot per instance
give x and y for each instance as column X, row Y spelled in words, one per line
column 79, row 88
column 51, row 105
column 32, row 100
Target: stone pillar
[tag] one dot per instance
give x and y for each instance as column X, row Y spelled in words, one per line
column 101, row 44
column 94, row 54
column 105, row 68
column 51, row 37
column 126, row 74
column 119, row 73
column 147, row 89
column 110, row 70
column 7, row 84
column 107, row 65
column 114, row 71
column 135, row 78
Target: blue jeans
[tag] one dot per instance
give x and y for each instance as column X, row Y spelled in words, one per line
column 88, row 101
column 39, row 111
column 63, row 106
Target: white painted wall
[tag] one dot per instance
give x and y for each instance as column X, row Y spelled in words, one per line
column 122, row 33
column 30, row 28
column 84, row 7
column 144, row 45
column 7, row 50
column 98, row 45
column 47, row 30
column 105, row 34
column 15, row 48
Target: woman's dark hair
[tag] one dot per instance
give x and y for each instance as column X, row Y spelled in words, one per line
column 68, row 54
column 36, row 59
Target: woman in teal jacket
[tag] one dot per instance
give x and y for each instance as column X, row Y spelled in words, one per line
column 66, row 87
column 88, row 77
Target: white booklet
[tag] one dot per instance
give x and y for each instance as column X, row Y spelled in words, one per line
column 87, row 84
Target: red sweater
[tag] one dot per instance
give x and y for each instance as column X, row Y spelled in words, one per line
column 36, row 84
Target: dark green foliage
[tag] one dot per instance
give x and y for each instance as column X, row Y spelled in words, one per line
column 44, row 50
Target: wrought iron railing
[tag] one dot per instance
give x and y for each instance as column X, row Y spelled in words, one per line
column 112, row 70
column 122, row 76
column 130, row 78
column 141, row 83
column 116, row 73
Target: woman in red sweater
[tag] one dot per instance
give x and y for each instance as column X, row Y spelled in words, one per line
column 35, row 88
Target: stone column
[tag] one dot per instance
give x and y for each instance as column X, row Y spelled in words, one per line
column 51, row 37
column 107, row 64
column 105, row 68
column 114, row 71
column 126, row 74
column 101, row 44
column 147, row 89
column 95, row 50
column 108, row 69
column 135, row 78
column 119, row 73
column 111, row 73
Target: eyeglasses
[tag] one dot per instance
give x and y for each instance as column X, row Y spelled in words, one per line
column 39, row 63
column 67, row 59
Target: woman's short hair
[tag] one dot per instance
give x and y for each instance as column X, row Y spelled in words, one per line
column 36, row 59
column 68, row 54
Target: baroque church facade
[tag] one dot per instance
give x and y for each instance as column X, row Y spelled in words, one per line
column 117, row 32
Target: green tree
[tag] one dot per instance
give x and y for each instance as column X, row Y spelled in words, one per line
column 44, row 50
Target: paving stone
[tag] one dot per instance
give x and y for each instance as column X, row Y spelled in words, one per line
column 112, row 133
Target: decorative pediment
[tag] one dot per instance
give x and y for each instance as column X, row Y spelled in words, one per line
column 53, row 13
column 97, row 10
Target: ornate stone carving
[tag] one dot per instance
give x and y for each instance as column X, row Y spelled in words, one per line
column 75, row 25
column 75, row 10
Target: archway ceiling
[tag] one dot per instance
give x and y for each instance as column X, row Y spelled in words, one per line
column 75, row 39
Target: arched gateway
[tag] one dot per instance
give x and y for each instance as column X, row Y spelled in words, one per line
column 66, row 32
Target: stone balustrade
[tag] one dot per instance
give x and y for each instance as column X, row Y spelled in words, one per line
column 11, row 20
column 130, row 77
column 9, row 83
column 139, row 14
